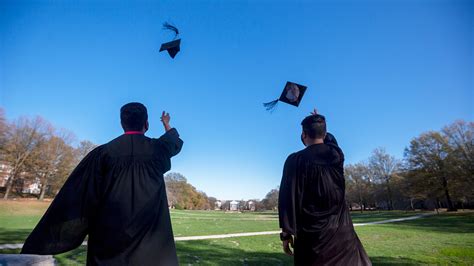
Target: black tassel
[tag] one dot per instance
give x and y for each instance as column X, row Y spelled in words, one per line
column 270, row 106
column 168, row 26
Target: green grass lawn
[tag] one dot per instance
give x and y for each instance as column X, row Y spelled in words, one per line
column 445, row 239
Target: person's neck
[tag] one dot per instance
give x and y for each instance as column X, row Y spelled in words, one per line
column 134, row 132
column 314, row 141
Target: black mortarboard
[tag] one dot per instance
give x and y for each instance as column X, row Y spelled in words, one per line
column 173, row 46
column 292, row 94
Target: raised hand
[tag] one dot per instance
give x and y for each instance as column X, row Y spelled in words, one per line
column 314, row 112
column 165, row 119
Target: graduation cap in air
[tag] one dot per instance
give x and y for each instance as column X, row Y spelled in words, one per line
column 173, row 46
column 292, row 94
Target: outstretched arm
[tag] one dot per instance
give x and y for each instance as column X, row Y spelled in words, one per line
column 170, row 141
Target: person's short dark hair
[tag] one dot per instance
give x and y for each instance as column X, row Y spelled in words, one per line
column 314, row 126
column 133, row 116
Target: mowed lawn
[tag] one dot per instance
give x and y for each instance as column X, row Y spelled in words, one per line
column 445, row 239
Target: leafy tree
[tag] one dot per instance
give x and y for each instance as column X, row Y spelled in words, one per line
column 460, row 138
column 429, row 159
column 52, row 163
column 182, row 195
column 212, row 202
column 270, row 202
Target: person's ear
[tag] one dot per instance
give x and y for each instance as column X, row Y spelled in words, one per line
column 146, row 126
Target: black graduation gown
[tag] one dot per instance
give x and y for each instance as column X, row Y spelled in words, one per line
column 116, row 196
column 312, row 207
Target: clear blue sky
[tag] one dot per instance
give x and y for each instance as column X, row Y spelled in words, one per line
column 381, row 71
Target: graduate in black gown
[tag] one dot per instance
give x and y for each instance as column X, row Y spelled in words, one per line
column 116, row 196
column 313, row 214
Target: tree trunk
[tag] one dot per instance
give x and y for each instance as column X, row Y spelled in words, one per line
column 411, row 204
column 448, row 197
column 9, row 188
column 437, row 205
column 9, row 185
column 43, row 190
column 390, row 202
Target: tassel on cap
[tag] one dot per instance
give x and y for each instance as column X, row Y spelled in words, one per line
column 170, row 27
column 270, row 106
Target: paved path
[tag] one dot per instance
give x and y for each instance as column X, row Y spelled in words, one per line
column 30, row 260
column 188, row 238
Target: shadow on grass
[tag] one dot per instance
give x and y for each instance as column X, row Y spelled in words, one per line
column 446, row 223
column 394, row 261
column 13, row 236
column 208, row 253
column 192, row 253
column 204, row 253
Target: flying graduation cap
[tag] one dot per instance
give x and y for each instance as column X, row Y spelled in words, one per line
column 173, row 46
column 292, row 94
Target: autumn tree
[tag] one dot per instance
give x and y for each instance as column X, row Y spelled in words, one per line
column 182, row 195
column 52, row 162
column 23, row 138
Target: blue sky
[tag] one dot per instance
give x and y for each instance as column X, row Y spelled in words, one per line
column 381, row 71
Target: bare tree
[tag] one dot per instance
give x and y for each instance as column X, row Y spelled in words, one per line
column 383, row 166
column 23, row 138
column 83, row 149
column 358, row 184
column 3, row 130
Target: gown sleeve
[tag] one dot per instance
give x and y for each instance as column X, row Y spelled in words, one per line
column 170, row 142
column 331, row 141
column 167, row 146
column 66, row 222
column 286, row 198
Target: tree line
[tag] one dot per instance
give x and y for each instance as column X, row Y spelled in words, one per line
column 32, row 152
column 437, row 171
